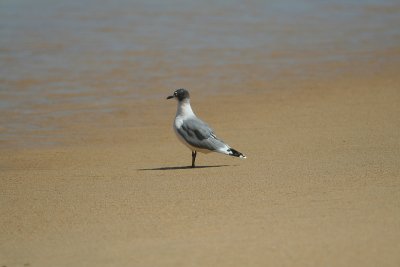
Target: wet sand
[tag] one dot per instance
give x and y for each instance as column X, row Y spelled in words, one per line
column 320, row 186
column 92, row 174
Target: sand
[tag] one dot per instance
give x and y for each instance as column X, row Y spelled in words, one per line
column 320, row 186
column 92, row 175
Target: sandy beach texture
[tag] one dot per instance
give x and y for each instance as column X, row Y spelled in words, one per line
column 92, row 175
column 320, row 186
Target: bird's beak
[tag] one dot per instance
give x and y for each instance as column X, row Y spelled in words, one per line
column 169, row 97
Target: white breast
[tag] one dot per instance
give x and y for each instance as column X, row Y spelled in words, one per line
column 178, row 124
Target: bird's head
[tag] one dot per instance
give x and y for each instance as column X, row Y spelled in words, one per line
column 180, row 94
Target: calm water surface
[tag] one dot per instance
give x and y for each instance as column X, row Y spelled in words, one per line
column 59, row 58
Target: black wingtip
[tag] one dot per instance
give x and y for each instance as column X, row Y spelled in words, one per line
column 235, row 153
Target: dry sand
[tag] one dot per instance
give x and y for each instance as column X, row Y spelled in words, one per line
column 320, row 186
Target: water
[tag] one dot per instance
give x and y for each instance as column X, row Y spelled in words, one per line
column 61, row 57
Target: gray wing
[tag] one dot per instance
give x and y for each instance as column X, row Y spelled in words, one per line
column 198, row 134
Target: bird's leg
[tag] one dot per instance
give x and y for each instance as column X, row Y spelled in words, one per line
column 194, row 153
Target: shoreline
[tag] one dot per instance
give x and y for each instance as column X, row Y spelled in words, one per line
column 56, row 124
column 319, row 186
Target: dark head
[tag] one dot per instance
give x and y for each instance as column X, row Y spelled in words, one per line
column 180, row 94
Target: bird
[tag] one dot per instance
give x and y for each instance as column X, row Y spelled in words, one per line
column 195, row 133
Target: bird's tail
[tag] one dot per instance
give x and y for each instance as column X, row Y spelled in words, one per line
column 234, row 153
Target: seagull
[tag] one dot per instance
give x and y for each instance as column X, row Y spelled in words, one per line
column 194, row 133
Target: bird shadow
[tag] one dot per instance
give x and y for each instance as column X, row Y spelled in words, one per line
column 182, row 168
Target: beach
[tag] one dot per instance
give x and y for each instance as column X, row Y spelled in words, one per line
column 319, row 187
column 97, row 177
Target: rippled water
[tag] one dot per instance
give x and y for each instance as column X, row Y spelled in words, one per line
column 65, row 56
